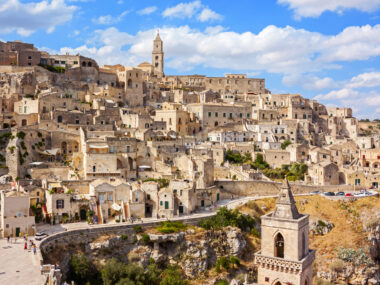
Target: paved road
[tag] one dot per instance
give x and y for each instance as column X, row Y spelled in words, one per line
column 18, row 266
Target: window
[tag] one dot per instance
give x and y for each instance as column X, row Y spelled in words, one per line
column 60, row 204
column 166, row 205
column 209, row 114
column 230, row 115
column 241, row 115
column 161, row 203
column 216, row 114
column 110, row 197
column 94, row 168
column 128, row 148
column 101, row 198
column 148, row 196
column 324, row 156
column 224, row 115
column 111, row 149
column 180, row 192
column 175, row 191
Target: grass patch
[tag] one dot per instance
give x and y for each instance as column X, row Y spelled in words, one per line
column 169, row 227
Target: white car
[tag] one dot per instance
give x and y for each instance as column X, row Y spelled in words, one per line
column 40, row 236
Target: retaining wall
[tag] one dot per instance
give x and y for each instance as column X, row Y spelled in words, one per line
column 268, row 188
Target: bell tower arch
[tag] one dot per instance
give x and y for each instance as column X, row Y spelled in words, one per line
column 285, row 257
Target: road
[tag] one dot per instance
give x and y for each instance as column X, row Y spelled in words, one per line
column 19, row 266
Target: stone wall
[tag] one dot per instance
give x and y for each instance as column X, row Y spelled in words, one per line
column 90, row 234
column 268, row 188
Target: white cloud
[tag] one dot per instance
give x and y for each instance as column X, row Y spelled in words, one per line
column 26, row 18
column 191, row 9
column 208, row 15
column 182, row 10
column 314, row 8
column 338, row 94
column 147, row 10
column 108, row 19
column 309, row 82
column 281, row 50
column 370, row 79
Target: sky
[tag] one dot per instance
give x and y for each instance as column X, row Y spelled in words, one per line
column 328, row 50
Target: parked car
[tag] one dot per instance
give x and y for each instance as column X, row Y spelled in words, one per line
column 329, row 194
column 40, row 236
column 340, row 193
column 315, row 192
column 349, row 195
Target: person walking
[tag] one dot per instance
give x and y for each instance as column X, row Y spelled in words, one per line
column 26, row 245
column 34, row 249
column 8, row 238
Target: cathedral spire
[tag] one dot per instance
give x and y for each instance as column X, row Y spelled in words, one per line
column 285, row 204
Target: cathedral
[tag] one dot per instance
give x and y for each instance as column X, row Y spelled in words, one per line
column 285, row 257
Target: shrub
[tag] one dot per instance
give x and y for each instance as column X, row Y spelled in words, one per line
column 285, row 144
column 171, row 227
column 81, row 269
column 172, row 276
column 145, row 238
column 255, row 232
column 222, row 282
column 356, row 257
column 137, row 229
column 337, row 265
column 124, row 237
column 20, row 135
column 163, row 182
column 226, row 217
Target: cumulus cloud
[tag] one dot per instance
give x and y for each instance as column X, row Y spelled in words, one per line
column 108, row 19
column 26, row 18
column 189, row 10
column 314, row 8
column 147, row 10
column 309, row 81
column 355, row 94
column 208, row 15
column 370, row 79
column 281, row 50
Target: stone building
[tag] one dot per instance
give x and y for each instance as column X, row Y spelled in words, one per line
column 285, row 257
column 15, row 214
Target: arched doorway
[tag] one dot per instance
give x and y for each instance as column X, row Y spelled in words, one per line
column 279, row 246
column 277, row 283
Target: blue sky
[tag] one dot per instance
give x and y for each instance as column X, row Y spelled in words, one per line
column 323, row 49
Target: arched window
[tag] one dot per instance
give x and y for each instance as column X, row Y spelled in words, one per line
column 129, row 83
column 279, row 246
column 59, row 119
column 89, row 64
column 84, row 64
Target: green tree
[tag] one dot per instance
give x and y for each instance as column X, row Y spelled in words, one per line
column 285, row 144
column 81, row 269
column 172, row 275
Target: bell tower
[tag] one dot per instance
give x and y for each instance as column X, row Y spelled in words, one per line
column 285, row 257
column 158, row 56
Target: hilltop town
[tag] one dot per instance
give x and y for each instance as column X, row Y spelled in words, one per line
column 113, row 145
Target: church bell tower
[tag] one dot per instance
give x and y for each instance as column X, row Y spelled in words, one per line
column 158, row 56
column 285, row 257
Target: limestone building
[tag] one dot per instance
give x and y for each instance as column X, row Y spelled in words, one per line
column 285, row 257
